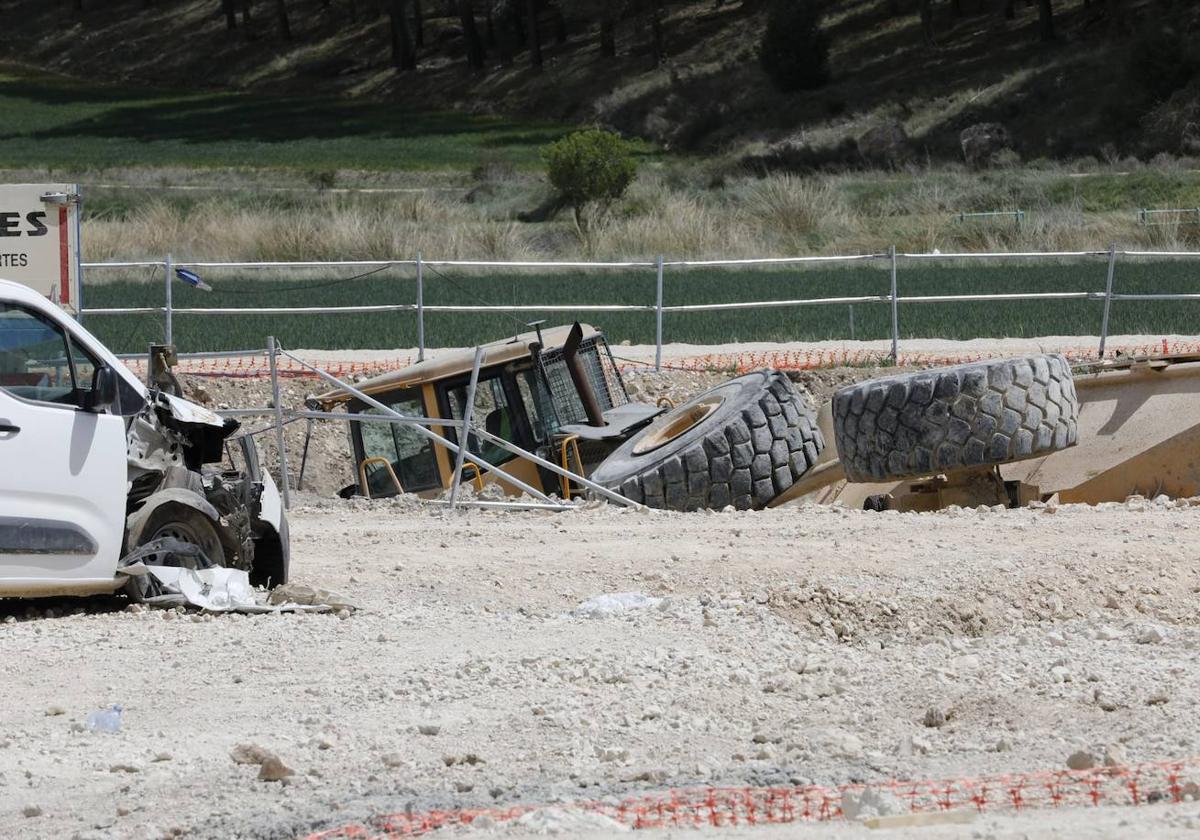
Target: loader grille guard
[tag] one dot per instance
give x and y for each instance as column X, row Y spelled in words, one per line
column 565, row 404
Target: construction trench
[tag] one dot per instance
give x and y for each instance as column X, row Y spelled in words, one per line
column 484, row 678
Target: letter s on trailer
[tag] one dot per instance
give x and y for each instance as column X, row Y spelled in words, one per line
column 39, row 239
column 94, row 464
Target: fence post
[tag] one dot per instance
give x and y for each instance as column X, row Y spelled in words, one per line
column 895, row 310
column 272, row 352
column 658, row 319
column 168, row 319
column 464, row 438
column 1108, row 290
column 420, row 309
column 851, row 308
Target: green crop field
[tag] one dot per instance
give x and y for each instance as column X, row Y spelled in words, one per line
column 55, row 123
column 131, row 333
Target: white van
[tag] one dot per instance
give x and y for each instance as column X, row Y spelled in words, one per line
column 93, row 465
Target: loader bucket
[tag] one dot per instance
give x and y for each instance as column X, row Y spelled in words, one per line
column 1139, row 434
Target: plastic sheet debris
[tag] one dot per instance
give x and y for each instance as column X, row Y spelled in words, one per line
column 104, row 720
column 568, row 821
column 615, row 603
column 168, row 572
column 217, row 589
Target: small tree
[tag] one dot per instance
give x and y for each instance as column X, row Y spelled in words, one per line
column 795, row 52
column 590, row 167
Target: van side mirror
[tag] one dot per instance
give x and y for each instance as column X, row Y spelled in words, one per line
column 104, row 390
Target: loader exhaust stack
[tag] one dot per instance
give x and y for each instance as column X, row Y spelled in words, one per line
column 587, row 396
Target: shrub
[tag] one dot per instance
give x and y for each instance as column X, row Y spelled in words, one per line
column 795, row 52
column 322, row 179
column 590, row 167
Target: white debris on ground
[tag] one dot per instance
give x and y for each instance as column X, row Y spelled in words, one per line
column 564, row 821
column 793, row 646
column 614, row 604
column 219, row 589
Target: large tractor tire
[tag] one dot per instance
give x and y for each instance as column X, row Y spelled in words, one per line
column 945, row 419
column 742, row 444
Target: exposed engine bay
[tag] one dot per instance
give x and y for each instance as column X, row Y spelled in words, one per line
column 190, row 478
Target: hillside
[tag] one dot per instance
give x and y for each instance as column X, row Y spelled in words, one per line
column 1104, row 87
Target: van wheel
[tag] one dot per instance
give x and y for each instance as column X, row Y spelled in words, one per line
column 741, row 443
column 186, row 525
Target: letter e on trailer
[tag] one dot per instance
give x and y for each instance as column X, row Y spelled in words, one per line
column 39, row 239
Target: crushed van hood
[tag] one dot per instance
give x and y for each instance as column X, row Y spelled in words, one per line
column 188, row 412
column 173, row 432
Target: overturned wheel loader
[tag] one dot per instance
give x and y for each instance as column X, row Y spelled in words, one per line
column 996, row 432
column 558, row 393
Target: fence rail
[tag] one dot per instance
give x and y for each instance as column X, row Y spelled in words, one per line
column 1178, row 216
column 889, row 261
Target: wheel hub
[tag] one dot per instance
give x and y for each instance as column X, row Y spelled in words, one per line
column 677, row 423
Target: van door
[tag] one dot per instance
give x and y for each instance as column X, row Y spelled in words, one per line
column 62, row 467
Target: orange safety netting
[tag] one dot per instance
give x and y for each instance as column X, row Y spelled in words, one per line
column 1133, row 785
column 255, row 366
column 840, row 357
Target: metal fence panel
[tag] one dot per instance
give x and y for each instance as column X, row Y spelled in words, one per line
column 892, row 261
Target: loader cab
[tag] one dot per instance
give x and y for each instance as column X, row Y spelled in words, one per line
column 504, row 405
column 392, row 455
column 524, row 394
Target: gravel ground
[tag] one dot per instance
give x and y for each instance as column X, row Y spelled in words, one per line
column 794, row 645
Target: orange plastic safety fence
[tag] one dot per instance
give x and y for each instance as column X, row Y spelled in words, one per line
column 255, row 366
column 1140, row 784
column 836, row 357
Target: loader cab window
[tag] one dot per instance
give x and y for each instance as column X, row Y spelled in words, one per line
column 409, row 453
column 542, row 420
column 39, row 361
column 492, row 412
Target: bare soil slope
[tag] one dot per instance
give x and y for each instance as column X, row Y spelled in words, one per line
column 1068, row 97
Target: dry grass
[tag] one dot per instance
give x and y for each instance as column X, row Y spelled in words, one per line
column 777, row 216
column 798, row 213
column 669, row 223
column 326, row 229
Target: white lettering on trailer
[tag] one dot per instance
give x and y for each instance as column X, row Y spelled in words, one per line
column 39, row 245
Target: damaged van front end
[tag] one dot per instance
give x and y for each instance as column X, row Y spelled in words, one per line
column 99, row 467
column 191, row 477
